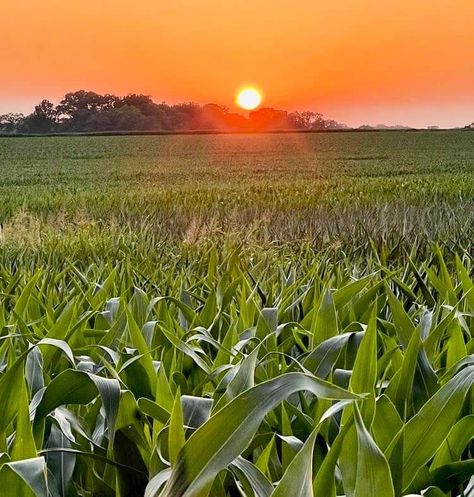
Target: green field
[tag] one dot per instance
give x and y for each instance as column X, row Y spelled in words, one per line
column 334, row 187
column 237, row 315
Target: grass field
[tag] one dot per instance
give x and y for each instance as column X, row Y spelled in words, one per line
column 237, row 315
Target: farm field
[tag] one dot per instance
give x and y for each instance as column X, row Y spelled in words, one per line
column 237, row 315
column 341, row 187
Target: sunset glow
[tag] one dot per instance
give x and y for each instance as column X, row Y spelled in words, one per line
column 397, row 61
column 249, row 98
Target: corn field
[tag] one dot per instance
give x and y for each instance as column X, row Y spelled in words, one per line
column 237, row 316
column 325, row 383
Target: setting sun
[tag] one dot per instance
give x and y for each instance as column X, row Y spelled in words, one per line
column 249, row 98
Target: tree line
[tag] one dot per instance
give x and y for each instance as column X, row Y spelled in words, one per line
column 87, row 111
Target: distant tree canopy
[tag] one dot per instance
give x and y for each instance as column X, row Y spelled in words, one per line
column 87, row 111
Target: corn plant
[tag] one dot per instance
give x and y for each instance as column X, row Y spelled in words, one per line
column 129, row 380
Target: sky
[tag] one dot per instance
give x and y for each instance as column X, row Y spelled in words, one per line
column 357, row 61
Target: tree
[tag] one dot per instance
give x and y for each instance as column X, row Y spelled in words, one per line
column 82, row 100
column 184, row 116
column 89, row 111
column 331, row 124
column 143, row 103
column 268, row 118
column 307, row 120
column 213, row 116
column 124, row 118
column 10, row 123
column 77, row 108
column 43, row 119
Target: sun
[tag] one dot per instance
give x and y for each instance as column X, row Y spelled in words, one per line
column 248, row 98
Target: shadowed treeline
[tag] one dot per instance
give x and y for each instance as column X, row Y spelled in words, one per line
column 86, row 111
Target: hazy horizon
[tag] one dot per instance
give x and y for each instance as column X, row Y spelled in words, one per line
column 426, row 116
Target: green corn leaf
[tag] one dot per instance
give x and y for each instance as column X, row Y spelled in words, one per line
column 403, row 323
column 297, row 479
column 321, row 360
column 325, row 323
column 242, row 380
column 427, row 430
column 387, row 422
column 453, row 446
column 373, row 472
column 254, row 481
column 343, row 295
column 24, row 445
column 20, row 478
column 78, row 387
column 364, row 372
column 139, row 342
column 449, row 477
column 228, row 432
column 400, row 388
column 176, row 438
column 10, row 388
column 324, row 482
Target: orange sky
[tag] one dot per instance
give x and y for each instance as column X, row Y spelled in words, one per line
column 391, row 61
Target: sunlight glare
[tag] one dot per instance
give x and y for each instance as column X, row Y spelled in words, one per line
column 249, row 98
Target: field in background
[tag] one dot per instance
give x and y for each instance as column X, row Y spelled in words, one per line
column 323, row 189
column 305, row 302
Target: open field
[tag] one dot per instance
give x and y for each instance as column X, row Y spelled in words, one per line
column 230, row 315
column 339, row 188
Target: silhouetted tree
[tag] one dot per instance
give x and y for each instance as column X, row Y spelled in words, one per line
column 306, row 120
column 77, row 109
column 268, row 118
column 236, row 122
column 89, row 111
column 42, row 120
column 185, row 116
column 213, row 116
column 10, row 123
column 143, row 103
